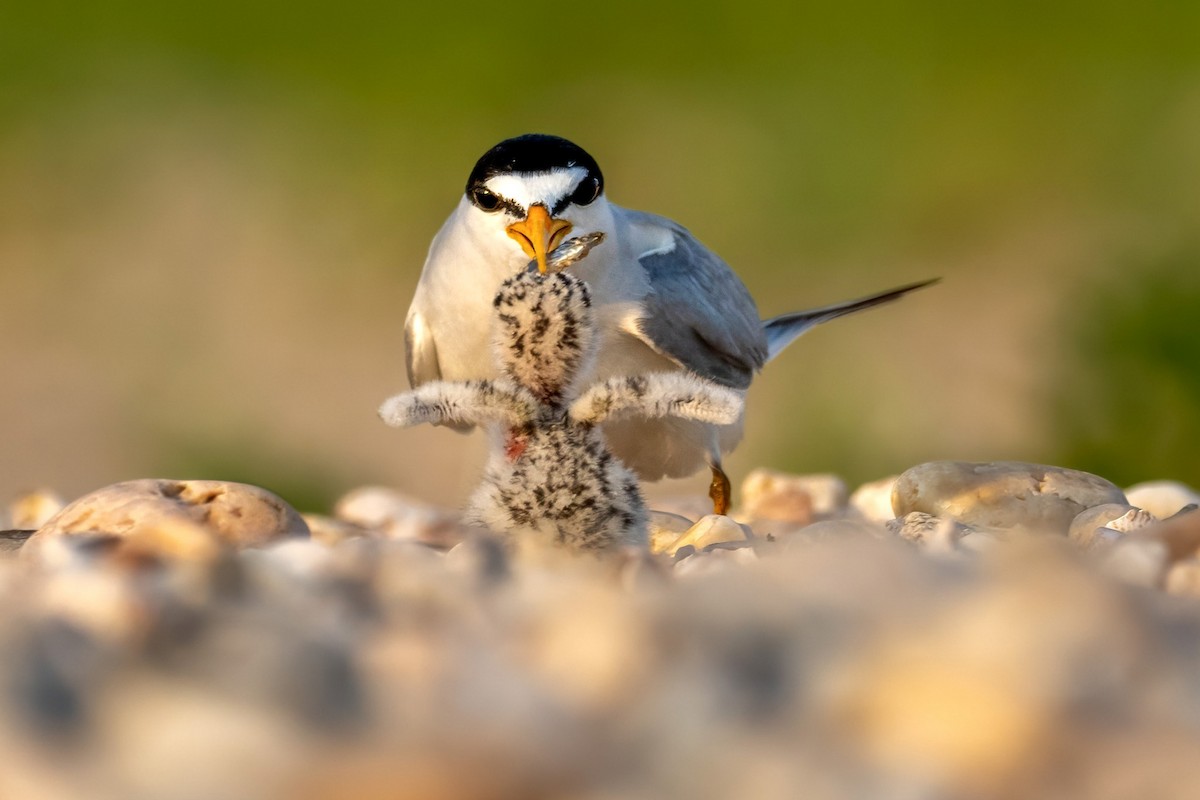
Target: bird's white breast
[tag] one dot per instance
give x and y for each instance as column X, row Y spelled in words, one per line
column 471, row 256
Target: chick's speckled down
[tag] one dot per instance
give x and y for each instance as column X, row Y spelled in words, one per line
column 550, row 473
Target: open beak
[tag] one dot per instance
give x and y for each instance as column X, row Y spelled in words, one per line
column 539, row 233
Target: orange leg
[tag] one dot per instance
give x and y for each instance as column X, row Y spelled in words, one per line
column 720, row 490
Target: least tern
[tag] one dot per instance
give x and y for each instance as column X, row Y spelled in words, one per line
column 663, row 301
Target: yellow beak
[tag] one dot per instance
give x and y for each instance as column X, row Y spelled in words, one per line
column 539, row 233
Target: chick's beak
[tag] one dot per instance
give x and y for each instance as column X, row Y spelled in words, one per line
column 539, row 233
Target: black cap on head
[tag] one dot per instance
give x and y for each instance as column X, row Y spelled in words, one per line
column 533, row 152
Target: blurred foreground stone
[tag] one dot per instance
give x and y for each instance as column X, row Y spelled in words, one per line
column 928, row 657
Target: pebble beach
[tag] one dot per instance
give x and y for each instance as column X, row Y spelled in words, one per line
column 962, row 630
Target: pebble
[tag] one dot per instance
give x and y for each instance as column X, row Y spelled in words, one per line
column 1002, row 494
column 31, row 510
column 167, row 513
column 874, row 500
column 773, row 495
column 709, row 530
column 1085, row 530
column 395, row 515
column 1162, row 498
column 665, row 529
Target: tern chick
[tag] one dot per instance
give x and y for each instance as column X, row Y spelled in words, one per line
column 550, row 471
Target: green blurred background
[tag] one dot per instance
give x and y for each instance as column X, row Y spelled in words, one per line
column 212, row 219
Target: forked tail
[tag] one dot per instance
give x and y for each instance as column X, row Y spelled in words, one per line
column 786, row 328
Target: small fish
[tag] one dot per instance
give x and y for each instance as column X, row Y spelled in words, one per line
column 569, row 252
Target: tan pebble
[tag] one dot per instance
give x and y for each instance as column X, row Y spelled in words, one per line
column 709, row 530
column 1116, row 517
column 330, row 530
column 665, row 529
column 169, row 513
column 1183, row 578
column 32, row 510
column 1002, row 494
column 395, row 515
column 769, row 494
column 1162, row 498
column 874, row 500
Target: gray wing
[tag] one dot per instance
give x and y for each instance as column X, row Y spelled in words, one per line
column 699, row 313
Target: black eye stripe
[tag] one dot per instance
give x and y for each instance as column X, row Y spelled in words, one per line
column 488, row 201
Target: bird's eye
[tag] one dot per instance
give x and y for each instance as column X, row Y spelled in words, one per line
column 586, row 192
column 485, row 199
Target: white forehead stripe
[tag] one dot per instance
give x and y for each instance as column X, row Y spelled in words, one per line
column 527, row 188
